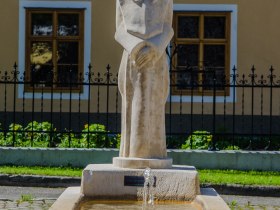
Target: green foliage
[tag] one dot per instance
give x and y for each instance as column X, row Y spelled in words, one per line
column 233, row 204
column 69, row 139
column 38, row 134
column 34, row 134
column 175, row 142
column 204, row 140
column 26, row 198
column 117, row 139
column 95, row 136
column 198, row 140
column 13, row 137
column 1, row 133
column 44, row 134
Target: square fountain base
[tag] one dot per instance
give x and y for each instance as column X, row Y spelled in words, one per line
column 106, row 181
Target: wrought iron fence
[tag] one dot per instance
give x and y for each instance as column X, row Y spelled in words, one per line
column 205, row 109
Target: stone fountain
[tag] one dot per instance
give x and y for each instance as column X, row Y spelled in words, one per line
column 144, row 29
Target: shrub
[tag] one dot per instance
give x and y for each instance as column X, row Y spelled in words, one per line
column 39, row 134
column 44, row 134
column 175, row 142
column 115, row 141
column 13, row 137
column 74, row 141
column 199, row 140
column 95, row 136
column 1, row 132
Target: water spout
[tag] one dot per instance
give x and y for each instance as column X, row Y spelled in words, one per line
column 148, row 197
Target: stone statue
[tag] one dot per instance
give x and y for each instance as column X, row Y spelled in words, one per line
column 144, row 29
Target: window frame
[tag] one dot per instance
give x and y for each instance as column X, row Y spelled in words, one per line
column 47, row 4
column 54, row 39
column 233, row 9
column 201, row 41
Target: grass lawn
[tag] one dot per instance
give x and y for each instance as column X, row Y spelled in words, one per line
column 38, row 170
column 240, row 177
column 205, row 176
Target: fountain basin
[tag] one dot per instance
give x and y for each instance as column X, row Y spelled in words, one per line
column 105, row 186
column 72, row 199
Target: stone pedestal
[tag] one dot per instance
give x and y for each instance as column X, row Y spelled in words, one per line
column 109, row 182
column 140, row 163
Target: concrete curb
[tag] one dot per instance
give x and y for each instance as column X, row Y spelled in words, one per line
column 57, row 181
column 202, row 159
column 245, row 190
column 38, row 181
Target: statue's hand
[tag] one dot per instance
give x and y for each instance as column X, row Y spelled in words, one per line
column 144, row 56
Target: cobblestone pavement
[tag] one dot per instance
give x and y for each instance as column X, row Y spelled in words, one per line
column 42, row 204
column 252, row 202
column 28, row 198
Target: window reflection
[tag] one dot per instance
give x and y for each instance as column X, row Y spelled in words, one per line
column 188, row 55
column 67, row 75
column 41, row 53
column 188, row 27
column 215, row 27
column 68, row 52
column 68, row 25
column 41, row 24
column 41, row 75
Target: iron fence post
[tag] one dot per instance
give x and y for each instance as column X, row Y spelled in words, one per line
column 213, row 146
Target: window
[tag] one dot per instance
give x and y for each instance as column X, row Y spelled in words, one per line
column 54, row 49
column 202, row 41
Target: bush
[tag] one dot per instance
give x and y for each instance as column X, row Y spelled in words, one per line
column 13, row 137
column 70, row 140
column 1, row 132
column 34, row 134
column 39, row 134
column 93, row 136
column 175, row 142
column 198, row 140
column 44, row 134
column 115, row 141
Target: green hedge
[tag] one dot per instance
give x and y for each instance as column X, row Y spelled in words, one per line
column 44, row 134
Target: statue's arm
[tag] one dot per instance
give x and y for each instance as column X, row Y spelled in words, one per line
column 161, row 41
column 128, row 41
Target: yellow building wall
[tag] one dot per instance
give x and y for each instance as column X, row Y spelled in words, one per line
column 257, row 34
